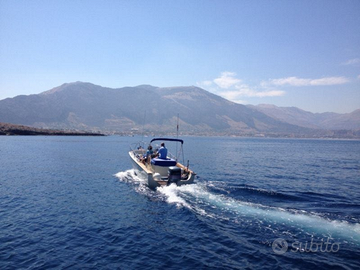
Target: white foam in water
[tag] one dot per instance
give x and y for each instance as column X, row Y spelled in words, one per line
column 130, row 176
column 299, row 219
column 176, row 194
column 171, row 193
column 196, row 197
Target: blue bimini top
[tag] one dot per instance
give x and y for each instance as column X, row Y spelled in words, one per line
column 167, row 139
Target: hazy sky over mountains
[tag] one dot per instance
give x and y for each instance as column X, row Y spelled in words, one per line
column 288, row 53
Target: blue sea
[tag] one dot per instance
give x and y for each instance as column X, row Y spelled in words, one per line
column 258, row 203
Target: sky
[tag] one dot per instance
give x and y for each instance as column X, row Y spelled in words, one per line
column 287, row 53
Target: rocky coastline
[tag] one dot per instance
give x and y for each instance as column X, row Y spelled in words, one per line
column 12, row 129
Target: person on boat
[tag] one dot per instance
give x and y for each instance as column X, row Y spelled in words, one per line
column 148, row 155
column 162, row 153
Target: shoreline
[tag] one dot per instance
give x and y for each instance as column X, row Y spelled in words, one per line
column 20, row 130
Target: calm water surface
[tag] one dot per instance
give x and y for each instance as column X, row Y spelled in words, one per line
column 75, row 202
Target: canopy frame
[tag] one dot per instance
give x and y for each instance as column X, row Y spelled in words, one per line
column 167, row 139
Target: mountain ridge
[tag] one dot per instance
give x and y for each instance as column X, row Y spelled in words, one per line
column 90, row 107
column 326, row 120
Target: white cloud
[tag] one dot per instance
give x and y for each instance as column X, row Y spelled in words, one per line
column 204, row 84
column 294, row 81
column 330, row 81
column 248, row 92
column 230, row 95
column 270, row 93
column 358, row 77
column 232, row 88
column 352, row 62
column 240, row 101
column 227, row 80
column 207, row 83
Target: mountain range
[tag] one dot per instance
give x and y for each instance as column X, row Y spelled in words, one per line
column 150, row 109
column 296, row 116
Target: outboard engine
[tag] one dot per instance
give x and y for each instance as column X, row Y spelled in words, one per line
column 174, row 175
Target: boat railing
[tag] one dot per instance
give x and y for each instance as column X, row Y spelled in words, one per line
column 170, row 155
column 138, row 149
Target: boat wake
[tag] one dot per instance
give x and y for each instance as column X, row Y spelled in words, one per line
column 290, row 222
column 131, row 177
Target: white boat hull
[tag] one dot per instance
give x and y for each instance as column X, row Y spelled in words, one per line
column 156, row 176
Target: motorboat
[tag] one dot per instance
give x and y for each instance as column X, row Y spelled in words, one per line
column 161, row 171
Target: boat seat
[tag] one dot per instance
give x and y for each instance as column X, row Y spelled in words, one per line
column 163, row 162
